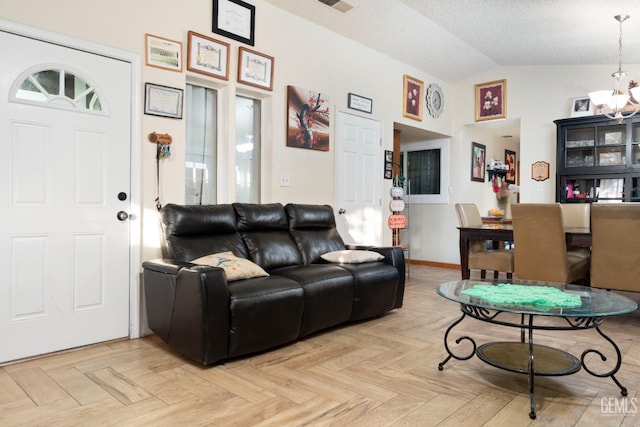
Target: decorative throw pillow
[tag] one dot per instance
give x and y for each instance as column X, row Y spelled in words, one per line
column 352, row 256
column 235, row 268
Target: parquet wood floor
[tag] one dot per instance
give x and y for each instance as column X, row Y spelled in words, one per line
column 381, row 372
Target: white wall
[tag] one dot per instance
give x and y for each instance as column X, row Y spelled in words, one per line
column 305, row 55
column 311, row 57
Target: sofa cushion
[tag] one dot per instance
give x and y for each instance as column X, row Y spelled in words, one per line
column 234, row 268
column 313, row 228
column 194, row 231
column 265, row 231
column 328, row 294
column 352, row 256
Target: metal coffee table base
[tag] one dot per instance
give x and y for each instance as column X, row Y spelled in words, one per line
column 526, row 357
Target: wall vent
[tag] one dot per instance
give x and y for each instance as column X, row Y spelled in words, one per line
column 340, row 5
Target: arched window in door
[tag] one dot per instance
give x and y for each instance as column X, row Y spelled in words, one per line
column 57, row 87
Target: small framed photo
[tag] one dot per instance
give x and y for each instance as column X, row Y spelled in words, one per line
column 360, row 103
column 510, row 161
column 235, row 19
column 413, row 92
column 255, row 69
column 162, row 101
column 478, row 161
column 581, row 107
column 163, row 53
column 491, row 100
column 388, row 164
column 208, row 56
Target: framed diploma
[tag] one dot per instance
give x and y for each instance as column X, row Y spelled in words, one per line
column 235, row 19
column 208, row 56
column 162, row 101
column 255, row 69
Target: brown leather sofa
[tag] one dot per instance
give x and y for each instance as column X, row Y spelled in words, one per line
column 196, row 311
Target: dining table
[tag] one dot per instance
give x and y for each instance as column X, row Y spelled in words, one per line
column 575, row 237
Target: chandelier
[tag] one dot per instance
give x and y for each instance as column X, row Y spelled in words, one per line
column 624, row 94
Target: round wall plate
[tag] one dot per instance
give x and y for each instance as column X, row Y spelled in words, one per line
column 435, row 100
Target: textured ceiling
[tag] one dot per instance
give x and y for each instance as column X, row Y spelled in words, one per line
column 456, row 39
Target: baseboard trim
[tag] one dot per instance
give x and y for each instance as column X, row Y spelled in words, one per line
column 434, row 264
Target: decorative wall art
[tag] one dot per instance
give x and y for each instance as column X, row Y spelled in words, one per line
column 163, row 53
column 491, row 100
column 435, row 100
column 255, row 69
column 478, row 161
column 360, row 103
column 235, row 19
column 413, row 93
column 510, row 161
column 540, row 171
column 208, row 56
column 308, row 119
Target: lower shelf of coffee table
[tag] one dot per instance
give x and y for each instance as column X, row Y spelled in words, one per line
column 514, row 356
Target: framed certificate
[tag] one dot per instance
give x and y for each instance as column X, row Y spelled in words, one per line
column 162, row 101
column 235, row 19
column 255, row 68
column 208, row 56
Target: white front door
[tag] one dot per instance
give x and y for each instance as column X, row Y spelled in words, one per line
column 64, row 176
column 358, row 174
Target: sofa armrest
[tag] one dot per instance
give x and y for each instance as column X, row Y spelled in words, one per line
column 394, row 256
column 188, row 307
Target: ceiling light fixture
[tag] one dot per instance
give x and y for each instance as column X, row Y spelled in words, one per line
column 623, row 95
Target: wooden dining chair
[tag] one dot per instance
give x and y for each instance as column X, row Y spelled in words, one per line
column 541, row 248
column 481, row 258
column 615, row 257
column 577, row 215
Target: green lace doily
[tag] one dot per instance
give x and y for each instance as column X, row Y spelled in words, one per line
column 545, row 297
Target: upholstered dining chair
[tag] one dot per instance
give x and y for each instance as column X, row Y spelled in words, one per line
column 577, row 215
column 615, row 243
column 480, row 258
column 541, row 248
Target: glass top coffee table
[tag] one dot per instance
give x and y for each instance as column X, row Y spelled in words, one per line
column 589, row 308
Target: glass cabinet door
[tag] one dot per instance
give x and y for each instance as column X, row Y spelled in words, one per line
column 611, row 148
column 579, row 147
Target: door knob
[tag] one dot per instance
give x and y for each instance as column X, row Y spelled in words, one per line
column 342, row 211
column 122, row 216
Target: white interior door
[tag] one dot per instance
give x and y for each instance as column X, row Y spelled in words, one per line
column 64, row 176
column 358, row 175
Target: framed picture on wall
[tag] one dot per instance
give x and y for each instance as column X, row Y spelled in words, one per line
column 491, row 100
column 255, row 68
column 413, row 92
column 478, row 161
column 208, row 56
column 308, row 119
column 510, row 160
column 163, row 53
column 235, row 19
column 162, row 101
